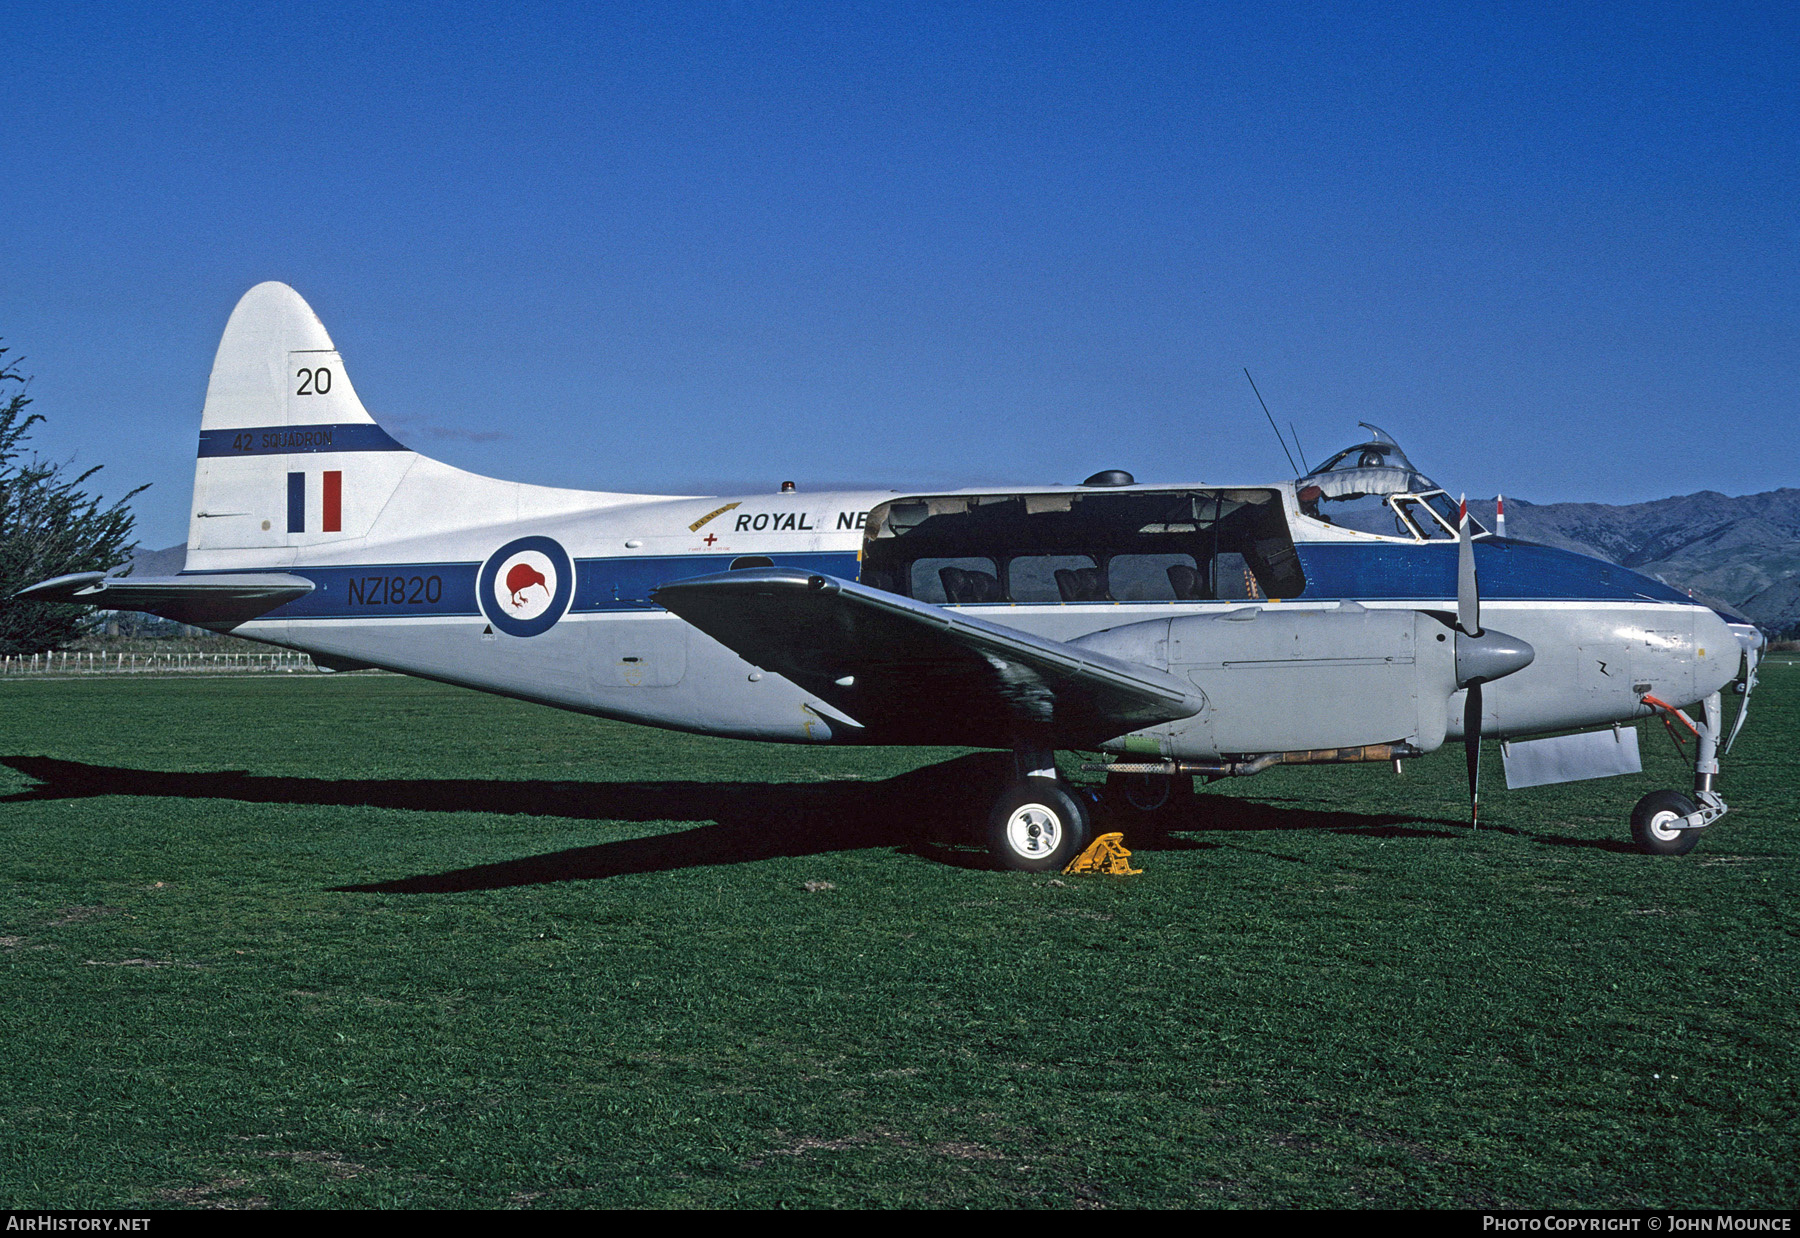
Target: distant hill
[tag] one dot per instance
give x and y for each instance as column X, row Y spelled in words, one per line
column 1742, row 551
column 159, row 562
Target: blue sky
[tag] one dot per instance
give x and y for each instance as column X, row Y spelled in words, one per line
column 694, row 248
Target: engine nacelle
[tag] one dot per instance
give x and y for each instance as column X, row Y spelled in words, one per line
column 1279, row 680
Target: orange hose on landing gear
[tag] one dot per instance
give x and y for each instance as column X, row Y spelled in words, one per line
column 1670, row 709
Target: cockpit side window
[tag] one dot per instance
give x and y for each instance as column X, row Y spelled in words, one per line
column 1365, row 513
column 1424, row 517
column 1428, row 516
column 1447, row 507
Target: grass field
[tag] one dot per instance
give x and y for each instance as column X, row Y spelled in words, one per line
column 372, row 941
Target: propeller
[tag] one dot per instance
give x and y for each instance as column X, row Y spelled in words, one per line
column 1481, row 656
column 1468, row 619
column 1472, row 751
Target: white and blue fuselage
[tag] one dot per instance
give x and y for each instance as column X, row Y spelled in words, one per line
column 403, row 562
column 1605, row 636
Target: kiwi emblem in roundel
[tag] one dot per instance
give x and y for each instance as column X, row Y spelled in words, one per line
column 521, row 576
column 525, row 586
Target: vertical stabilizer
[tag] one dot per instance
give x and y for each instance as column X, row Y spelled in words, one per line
column 289, row 457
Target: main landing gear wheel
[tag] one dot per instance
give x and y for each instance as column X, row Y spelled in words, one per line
column 1038, row 826
column 1654, row 821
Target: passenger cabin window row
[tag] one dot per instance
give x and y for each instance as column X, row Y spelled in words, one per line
column 1035, row 549
column 1042, row 578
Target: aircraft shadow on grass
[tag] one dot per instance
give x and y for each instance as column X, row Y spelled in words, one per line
column 924, row 812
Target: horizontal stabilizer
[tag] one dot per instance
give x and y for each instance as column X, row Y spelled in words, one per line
column 911, row 672
column 216, row 600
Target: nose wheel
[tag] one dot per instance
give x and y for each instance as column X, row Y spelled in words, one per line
column 1659, row 824
column 1668, row 822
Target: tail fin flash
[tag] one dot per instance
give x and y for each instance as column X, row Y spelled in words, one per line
column 289, row 457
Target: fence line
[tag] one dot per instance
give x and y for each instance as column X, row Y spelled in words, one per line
column 67, row 662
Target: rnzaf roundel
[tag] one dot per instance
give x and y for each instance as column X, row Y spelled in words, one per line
column 525, row 586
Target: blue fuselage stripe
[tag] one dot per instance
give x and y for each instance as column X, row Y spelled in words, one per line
column 297, row 440
column 391, row 590
column 1509, row 571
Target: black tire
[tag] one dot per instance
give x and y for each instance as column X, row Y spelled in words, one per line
column 1649, row 824
column 1038, row 826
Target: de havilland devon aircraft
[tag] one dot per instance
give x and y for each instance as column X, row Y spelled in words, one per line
column 1187, row 630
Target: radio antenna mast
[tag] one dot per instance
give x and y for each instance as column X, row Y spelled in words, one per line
column 1299, row 450
column 1272, row 425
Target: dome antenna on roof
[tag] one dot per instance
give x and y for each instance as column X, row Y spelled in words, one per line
column 1284, row 447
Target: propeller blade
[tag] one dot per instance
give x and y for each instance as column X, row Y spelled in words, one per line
column 1468, row 599
column 1472, row 750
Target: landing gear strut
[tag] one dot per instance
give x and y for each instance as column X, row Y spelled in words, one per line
column 1668, row 822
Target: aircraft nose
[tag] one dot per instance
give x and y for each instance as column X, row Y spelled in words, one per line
column 1490, row 656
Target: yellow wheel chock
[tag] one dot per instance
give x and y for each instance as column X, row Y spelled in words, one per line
column 1106, row 854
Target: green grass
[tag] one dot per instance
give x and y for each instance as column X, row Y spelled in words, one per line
column 372, row 941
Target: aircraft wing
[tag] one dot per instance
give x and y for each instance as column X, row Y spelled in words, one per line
column 910, row 672
column 211, row 600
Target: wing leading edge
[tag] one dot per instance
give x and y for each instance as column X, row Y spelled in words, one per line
column 910, row 672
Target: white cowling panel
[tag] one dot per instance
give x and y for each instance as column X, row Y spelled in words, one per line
column 1288, row 680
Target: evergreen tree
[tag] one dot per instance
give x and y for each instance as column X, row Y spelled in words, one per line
column 49, row 526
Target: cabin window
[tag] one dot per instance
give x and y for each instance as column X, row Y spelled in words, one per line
column 966, row 579
column 1055, row 578
column 1073, row 546
column 1155, row 578
column 1233, row 579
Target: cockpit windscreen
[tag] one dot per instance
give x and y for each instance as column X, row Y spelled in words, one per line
column 1372, row 487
